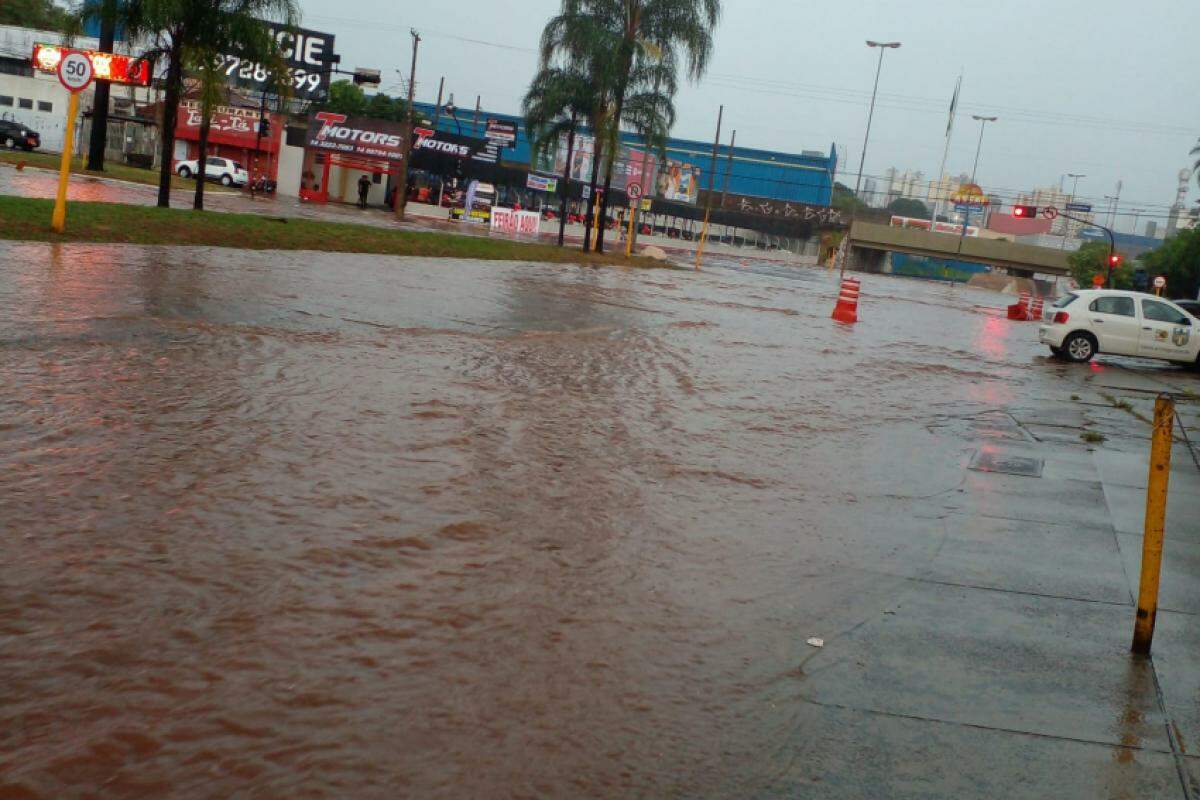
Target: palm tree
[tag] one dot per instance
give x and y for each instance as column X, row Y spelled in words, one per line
column 645, row 39
column 558, row 99
column 209, row 81
column 182, row 29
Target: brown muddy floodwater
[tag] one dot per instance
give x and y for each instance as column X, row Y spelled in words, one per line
column 315, row 525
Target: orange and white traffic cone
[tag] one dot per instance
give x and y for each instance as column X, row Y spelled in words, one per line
column 1035, row 313
column 846, row 309
column 1020, row 309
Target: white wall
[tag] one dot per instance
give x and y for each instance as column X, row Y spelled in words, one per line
column 42, row 88
column 291, row 164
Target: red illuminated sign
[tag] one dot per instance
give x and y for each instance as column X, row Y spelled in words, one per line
column 112, row 67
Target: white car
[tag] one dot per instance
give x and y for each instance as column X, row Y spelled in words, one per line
column 1086, row 322
column 229, row 173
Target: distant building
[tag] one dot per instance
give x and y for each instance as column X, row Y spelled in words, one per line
column 870, row 194
column 1053, row 196
column 897, row 184
column 947, row 185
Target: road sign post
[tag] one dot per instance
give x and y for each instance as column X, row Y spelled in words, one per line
column 1160, row 283
column 75, row 73
column 634, row 191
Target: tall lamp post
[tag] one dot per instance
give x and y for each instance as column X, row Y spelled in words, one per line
column 983, row 121
column 883, row 47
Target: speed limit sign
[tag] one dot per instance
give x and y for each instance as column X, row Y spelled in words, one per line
column 75, row 71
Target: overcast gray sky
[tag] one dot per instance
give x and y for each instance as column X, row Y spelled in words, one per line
column 1100, row 87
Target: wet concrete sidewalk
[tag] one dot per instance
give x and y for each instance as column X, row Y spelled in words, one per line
column 311, row 524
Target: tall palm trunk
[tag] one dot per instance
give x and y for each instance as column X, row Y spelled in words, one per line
column 169, row 115
column 99, row 135
column 566, row 187
column 622, row 87
column 591, row 202
column 615, row 150
column 201, row 165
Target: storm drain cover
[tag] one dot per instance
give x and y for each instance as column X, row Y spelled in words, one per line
column 992, row 461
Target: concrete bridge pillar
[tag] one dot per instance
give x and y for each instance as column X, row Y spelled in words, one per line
column 863, row 259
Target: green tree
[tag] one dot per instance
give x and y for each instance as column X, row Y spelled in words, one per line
column 646, row 41
column 210, row 82
column 40, row 14
column 181, row 30
column 557, row 101
column 843, row 199
column 907, row 207
column 1178, row 260
column 1092, row 259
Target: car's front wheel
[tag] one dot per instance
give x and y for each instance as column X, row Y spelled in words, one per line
column 184, row 172
column 226, row 180
column 1080, row 347
column 10, row 143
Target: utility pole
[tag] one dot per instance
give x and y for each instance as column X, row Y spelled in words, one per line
column 1137, row 212
column 475, row 124
column 402, row 178
column 712, row 179
column 1112, row 217
column 437, row 110
column 728, row 169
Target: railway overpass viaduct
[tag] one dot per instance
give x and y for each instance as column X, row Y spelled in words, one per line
column 870, row 242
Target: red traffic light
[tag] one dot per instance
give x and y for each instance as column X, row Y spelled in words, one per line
column 1025, row 212
column 1115, row 260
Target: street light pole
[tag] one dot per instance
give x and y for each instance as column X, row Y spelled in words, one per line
column 983, row 121
column 883, row 46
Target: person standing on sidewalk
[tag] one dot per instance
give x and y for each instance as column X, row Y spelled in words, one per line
column 364, row 186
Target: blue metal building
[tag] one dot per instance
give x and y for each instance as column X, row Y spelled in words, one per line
column 806, row 177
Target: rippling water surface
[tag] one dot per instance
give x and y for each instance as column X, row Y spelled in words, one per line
column 315, row 525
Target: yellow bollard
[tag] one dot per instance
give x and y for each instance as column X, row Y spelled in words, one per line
column 703, row 238
column 633, row 212
column 1156, row 514
column 58, row 222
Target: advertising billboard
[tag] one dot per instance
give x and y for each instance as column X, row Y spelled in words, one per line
column 359, row 137
column 679, row 181
column 307, row 54
column 630, row 166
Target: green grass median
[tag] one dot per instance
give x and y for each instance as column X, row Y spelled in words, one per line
column 28, row 219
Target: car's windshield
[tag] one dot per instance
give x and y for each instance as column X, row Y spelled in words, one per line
column 1065, row 300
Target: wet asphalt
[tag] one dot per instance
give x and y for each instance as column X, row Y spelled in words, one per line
column 318, row 525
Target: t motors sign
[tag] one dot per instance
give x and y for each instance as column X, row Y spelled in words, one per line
column 361, row 137
column 427, row 139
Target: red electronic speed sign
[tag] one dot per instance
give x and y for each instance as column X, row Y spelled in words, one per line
column 112, row 67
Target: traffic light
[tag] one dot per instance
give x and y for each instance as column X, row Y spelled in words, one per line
column 1115, row 260
column 264, row 127
column 1025, row 212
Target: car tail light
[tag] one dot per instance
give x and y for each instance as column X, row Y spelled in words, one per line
column 1061, row 318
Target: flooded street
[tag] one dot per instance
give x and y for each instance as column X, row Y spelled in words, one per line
column 324, row 525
